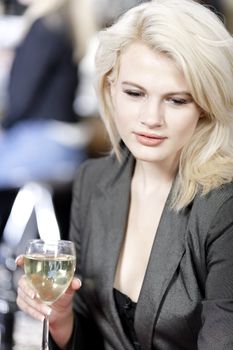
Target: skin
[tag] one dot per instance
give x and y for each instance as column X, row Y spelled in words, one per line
column 155, row 116
column 152, row 98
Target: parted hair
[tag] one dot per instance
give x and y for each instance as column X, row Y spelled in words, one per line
column 198, row 42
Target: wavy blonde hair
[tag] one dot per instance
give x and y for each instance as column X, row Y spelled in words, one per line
column 80, row 15
column 196, row 39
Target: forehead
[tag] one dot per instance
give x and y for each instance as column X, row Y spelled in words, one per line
column 140, row 63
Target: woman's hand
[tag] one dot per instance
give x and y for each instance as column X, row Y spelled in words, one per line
column 60, row 313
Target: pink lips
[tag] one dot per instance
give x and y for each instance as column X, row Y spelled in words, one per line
column 149, row 139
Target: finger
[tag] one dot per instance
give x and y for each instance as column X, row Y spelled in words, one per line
column 76, row 283
column 30, row 300
column 24, row 306
column 25, row 286
column 74, row 286
column 27, row 293
column 19, row 260
column 23, row 300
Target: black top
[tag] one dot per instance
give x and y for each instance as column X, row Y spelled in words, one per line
column 126, row 309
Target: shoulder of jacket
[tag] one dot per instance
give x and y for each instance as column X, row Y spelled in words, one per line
column 216, row 197
column 92, row 170
column 205, row 208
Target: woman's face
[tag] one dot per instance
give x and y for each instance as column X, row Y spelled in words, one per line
column 154, row 111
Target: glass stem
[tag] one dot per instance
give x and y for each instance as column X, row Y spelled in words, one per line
column 45, row 334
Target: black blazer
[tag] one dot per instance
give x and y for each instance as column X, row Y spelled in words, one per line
column 186, row 301
column 43, row 79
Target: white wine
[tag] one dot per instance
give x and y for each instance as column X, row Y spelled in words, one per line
column 50, row 276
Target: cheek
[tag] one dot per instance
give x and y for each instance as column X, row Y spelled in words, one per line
column 124, row 113
column 188, row 120
column 185, row 130
column 122, row 128
column 119, row 120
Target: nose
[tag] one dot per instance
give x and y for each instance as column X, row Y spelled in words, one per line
column 152, row 113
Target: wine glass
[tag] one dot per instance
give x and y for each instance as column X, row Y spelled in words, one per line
column 49, row 267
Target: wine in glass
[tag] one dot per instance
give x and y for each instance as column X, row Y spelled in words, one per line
column 49, row 267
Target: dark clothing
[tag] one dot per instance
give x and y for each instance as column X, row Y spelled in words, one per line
column 126, row 309
column 39, row 143
column 186, row 300
column 43, row 79
column 215, row 5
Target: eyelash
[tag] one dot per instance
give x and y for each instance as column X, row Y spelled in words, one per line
column 134, row 93
column 174, row 100
column 178, row 101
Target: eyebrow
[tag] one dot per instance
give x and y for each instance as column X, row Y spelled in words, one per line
column 183, row 92
column 132, row 84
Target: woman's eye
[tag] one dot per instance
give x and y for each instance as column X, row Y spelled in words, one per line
column 134, row 93
column 178, row 101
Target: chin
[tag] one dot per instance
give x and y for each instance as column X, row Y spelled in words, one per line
column 147, row 157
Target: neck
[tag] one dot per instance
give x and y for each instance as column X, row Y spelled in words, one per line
column 150, row 176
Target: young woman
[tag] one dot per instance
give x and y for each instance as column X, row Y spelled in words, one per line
column 153, row 222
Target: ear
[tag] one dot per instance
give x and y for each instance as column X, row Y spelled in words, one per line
column 202, row 113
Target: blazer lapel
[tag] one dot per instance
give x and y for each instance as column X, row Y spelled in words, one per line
column 111, row 208
column 166, row 254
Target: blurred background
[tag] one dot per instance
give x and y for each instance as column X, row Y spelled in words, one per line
column 49, row 125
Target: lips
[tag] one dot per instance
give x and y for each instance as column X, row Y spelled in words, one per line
column 150, row 139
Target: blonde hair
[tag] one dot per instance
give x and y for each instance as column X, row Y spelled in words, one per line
column 196, row 39
column 80, row 15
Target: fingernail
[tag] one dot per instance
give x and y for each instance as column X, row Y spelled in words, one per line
column 17, row 259
column 32, row 295
column 80, row 282
column 49, row 310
